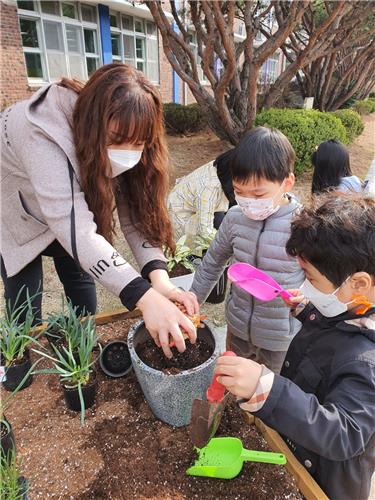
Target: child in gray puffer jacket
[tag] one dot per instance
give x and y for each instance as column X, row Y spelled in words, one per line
column 256, row 231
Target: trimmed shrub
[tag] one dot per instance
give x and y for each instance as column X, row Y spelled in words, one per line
column 305, row 129
column 365, row 107
column 180, row 119
column 352, row 122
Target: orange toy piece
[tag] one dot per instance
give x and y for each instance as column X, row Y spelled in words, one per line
column 362, row 301
column 196, row 319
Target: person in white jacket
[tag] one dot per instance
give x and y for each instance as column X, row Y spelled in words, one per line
column 196, row 198
column 71, row 154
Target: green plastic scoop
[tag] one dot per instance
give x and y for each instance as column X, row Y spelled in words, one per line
column 224, row 457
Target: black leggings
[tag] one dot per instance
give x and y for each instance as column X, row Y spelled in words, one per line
column 79, row 287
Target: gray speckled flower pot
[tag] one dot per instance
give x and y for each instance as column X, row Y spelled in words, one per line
column 171, row 396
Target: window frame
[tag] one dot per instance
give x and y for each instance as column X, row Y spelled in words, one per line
column 39, row 16
column 193, row 44
column 122, row 31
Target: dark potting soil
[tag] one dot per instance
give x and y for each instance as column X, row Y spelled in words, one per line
column 123, row 451
column 194, row 355
column 179, row 270
column 19, row 361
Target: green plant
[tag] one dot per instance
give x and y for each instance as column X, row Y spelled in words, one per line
column 305, row 129
column 202, row 243
column 180, row 119
column 15, row 335
column 74, row 367
column 68, row 325
column 180, row 256
column 12, row 488
column 364, row 107
column 352, row 122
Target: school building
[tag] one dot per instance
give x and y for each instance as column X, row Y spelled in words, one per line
column 42, row 41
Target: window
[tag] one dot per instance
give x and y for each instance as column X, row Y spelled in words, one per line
column 52, row 8
column 140, row 53
column 139, row 25
column 75, row 51
column 26, row 5
column 91, row 50
column 59, row 39
column 116, row 46
column 114, row 20
column 127, row 23
column 194, row 47
column 241, row 30
column 151, row 29
column 29, row 33
column 129, row 53
column 88, row 13
column 30, row 41
column 55, row 49
column 135, row 42
column 69, row 10
column 269, row 70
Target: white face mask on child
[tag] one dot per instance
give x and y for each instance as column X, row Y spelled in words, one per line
column 258, row 208
column 123, row 160
column 326, row 303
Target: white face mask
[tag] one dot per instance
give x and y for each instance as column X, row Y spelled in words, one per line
column 122, row 160
column 326, row 303
column 258, row 208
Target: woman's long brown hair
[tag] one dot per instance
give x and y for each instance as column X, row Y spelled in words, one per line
column 118, row 98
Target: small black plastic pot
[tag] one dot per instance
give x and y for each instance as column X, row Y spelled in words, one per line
column 8, row 443
column 217, row 295
column 72, row 396
column 115, row 359
column 24, row 488
column 17, row 372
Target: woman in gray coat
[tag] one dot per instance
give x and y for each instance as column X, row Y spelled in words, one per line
column 71, row 154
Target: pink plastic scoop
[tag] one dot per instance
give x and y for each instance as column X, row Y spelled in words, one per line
column 256, row 282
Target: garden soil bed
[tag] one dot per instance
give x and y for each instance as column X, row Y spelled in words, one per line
column 123, row 452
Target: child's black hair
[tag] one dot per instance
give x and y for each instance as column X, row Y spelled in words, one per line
column 331, row 163
column 337, row 236
column 263, row 153
column 222, row 164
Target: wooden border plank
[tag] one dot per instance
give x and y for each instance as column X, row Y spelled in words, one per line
column 306, row 484
column 102, row 318
column 117, row 315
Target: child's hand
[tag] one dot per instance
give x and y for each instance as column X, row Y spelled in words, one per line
column 240, row 376
column 187, row 299
column 296, row 299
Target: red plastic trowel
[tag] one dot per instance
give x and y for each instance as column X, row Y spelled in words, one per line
column 206, row 415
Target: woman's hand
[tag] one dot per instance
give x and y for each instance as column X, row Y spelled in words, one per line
column 188, row 299
column 240, row 376
column 163, row 319
column 296, row 299
column 161, row 282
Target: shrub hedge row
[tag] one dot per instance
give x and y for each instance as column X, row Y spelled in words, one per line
column 305, row 128
column 365, row 107
column 181, row 119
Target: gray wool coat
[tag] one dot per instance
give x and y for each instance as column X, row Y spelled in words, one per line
column 36, row 197
column 267, row 325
